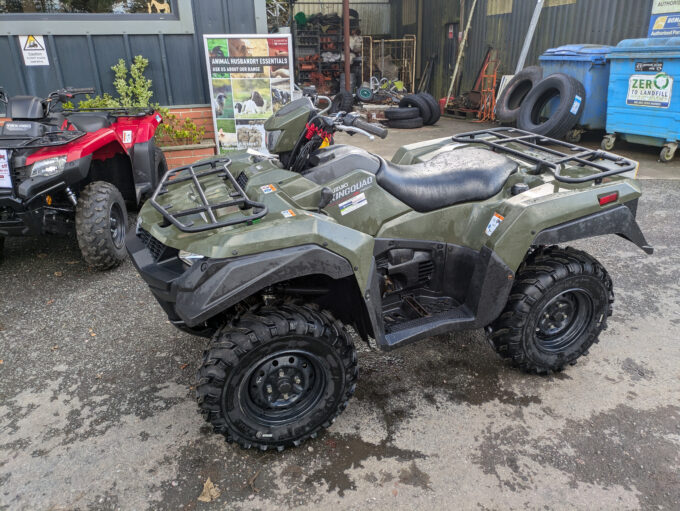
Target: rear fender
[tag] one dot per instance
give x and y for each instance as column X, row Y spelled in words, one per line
column 619, row 220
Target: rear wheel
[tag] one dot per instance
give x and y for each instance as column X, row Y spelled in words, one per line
column 276, row 376
column 101, row 224
column 557, row 308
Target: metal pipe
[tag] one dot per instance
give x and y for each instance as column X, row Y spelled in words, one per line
column 345, row 22
column 461, row 51
column 529, row 37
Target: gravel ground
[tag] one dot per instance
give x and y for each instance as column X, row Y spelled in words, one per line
column 97, row 407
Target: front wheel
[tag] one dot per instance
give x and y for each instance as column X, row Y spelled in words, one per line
column 557, row 308
column 276, row 376
column 101, row 223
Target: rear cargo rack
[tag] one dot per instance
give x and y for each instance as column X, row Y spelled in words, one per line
column 499, row 138
column 219, row 167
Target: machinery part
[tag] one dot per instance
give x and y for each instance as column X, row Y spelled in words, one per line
column 574, row 136
column 401, row 113
column 668, row 152
column 276, row 376
column 365, row 94
column 71, row 196
column 342, row 102
column 558, row 306
column 608, row 142
column 101, row 222
column 564, row 116
column 514, row 93
column 413, row 100
column 416, row 122
column 434, row 107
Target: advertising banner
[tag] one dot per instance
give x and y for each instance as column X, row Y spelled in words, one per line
column 251, row 77
column 665, row 20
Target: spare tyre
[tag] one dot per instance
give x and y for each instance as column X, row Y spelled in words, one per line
column 401, row 113
column 434, row 107
column 565, row 96
column 416, row 122
column 342, row 102
column 419, row 103
column 514, row 93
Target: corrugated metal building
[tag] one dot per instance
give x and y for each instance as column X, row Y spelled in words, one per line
column 82, row 47
column 374, row 15
column 503, row 24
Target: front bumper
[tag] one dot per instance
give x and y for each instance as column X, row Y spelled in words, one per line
column 16, row 219
column 22, row 208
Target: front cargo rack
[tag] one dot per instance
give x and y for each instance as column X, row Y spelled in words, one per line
column 49, row 138
column 207, row 209
column 498, row 140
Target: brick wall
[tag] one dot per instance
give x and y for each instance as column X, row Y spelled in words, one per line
column 201, row 115
column 184, row 155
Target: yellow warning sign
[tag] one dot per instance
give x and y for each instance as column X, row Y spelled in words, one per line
column 33, row 50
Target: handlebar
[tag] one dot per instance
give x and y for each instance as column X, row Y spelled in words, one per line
column 355, row 121
column 85, row 90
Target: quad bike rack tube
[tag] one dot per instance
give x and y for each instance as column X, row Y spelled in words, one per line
column 498, row 139
column 194, row 173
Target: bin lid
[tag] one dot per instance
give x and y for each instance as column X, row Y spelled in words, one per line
column 668, row 46
column 579, row 49
column 595, row 53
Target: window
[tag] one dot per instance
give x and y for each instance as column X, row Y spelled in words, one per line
column 87, row 7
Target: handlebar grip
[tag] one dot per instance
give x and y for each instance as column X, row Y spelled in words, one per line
column 373, row 128
column 85, row 90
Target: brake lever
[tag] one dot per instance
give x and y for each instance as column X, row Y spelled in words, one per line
column 352, row 129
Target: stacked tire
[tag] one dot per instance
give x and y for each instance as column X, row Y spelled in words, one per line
column 550, row 106
column 414, row 111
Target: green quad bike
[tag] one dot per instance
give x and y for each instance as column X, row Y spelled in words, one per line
column 272, row 256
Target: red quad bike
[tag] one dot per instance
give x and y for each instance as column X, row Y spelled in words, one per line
column 76, row 168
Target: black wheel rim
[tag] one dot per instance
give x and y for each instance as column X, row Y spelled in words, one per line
column 117, row 225
column 283, row 387
column 563, row 320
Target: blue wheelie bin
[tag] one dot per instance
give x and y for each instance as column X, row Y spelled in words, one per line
column 588, row 64
column 643, row 104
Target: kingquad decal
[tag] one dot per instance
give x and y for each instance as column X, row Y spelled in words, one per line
column 345, row 189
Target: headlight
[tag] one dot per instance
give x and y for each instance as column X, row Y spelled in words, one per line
column 49, row 167
column 189, row 258
column 272, row 139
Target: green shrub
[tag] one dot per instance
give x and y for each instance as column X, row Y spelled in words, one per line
column 135, row 91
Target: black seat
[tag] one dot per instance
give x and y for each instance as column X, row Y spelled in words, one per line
column 90, row 121
column 462, row 175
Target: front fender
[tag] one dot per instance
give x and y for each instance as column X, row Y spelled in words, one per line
column 213, row 286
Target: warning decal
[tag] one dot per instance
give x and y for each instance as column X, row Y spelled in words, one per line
column 495, row 221
column 353, row 203
column 33, row 50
